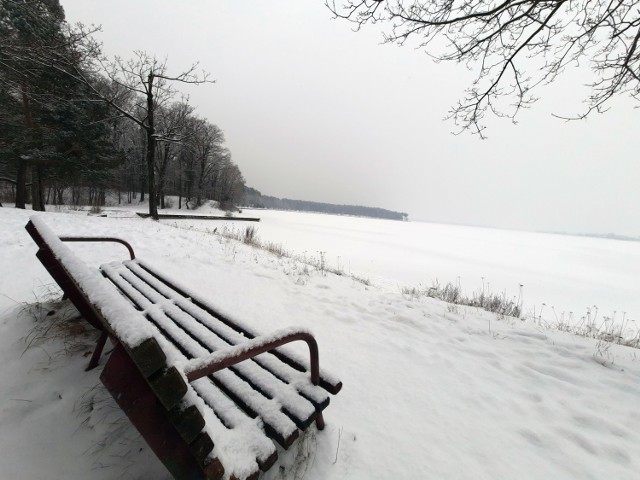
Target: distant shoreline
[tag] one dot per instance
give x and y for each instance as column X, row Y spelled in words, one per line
column 255, row 199
column 607, row 236
column 245, row 207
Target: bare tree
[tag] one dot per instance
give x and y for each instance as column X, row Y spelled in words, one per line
column 228, row 183
column 78, row 120
column 207, row 145
column 516, row 45
column 148, row 78
column 173, row 129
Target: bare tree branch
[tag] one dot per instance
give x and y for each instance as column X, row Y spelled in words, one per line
column 514, row 46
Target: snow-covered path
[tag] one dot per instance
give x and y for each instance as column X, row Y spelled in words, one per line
column 430, row 390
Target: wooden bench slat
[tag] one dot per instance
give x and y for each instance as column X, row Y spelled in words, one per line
column 254, row 402
column 169, row 387
column 299, row 408
column 149, row 357
column 264, row 452
column 235, row 426
column 277, row 423
column 269, row 362
column 287, row 392
column 327, row 381
column 200, row 447
column 188, row 421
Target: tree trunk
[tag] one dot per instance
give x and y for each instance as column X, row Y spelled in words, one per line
column 200, row 185
column 151, row 181
column 180, row 187
column 37, row 196
column 162, row 173
column 151, row 152
column 21, row 185
column 143, row 187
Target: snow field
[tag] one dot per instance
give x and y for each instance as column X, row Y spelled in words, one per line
column 568, row 274
column 429, row 391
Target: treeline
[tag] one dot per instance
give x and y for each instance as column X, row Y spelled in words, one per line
column 75, row 125
column 253, row 198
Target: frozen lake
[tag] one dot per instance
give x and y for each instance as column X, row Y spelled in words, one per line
column 566, row 273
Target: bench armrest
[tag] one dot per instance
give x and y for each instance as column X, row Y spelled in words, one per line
column 101, row 239
column 203, row 366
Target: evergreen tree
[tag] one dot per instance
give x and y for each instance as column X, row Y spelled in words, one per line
column 46, row 127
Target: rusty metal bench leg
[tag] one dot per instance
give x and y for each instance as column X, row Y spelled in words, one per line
column 95, row 358
column 320, row 421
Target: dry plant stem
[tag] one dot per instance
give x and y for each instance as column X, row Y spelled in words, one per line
column 338, row 446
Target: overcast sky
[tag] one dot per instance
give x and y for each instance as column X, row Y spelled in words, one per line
column 314, row 111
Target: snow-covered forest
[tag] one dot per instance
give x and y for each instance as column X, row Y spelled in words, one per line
column 76, row 124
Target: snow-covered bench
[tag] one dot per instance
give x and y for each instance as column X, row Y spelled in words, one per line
column 200, row 388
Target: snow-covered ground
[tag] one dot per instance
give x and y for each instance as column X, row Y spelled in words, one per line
column 430, row 390
column 561, row 276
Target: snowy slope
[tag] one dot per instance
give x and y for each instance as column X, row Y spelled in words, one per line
column 430, row 390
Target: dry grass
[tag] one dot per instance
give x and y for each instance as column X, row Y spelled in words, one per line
column 452, row 293
column 64, row 336
column 606, row 328
column 56, row 320
column 249, row 236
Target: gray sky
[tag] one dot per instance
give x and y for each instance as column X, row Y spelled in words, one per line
column 314, row 111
